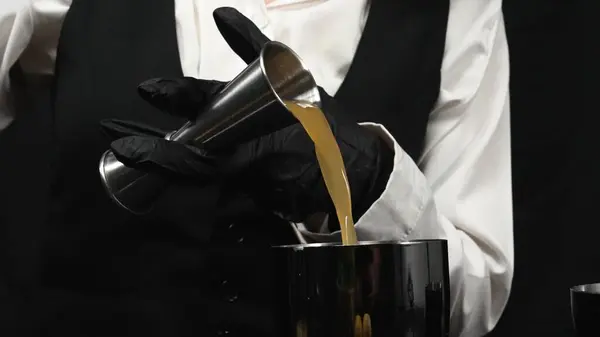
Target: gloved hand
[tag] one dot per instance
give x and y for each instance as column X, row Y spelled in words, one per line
column 280, row 170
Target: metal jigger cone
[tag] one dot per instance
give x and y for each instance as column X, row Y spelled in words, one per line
column 250, row 106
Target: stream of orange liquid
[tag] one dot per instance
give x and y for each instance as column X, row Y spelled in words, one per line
column 331, row 163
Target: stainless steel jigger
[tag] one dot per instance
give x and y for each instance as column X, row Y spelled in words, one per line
column 248, row 107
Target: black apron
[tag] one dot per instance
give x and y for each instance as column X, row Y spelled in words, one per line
column 193, row 266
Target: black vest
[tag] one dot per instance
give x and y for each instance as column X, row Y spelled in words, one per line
column 189, row 268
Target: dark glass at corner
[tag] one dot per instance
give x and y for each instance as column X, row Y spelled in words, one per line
column 378, row 289
column 585, row 309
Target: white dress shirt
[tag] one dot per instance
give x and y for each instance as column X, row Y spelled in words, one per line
column 459, row 190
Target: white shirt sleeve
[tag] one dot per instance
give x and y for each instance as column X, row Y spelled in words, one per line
column 29, row 31
column 460, row 189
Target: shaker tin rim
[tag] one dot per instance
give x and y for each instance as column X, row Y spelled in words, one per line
column 302, row 246
column 591, row 288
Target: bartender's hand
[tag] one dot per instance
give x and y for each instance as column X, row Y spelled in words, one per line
column 279, row 170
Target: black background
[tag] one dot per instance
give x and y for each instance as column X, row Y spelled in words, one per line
column 554, row 166
column 555, row 172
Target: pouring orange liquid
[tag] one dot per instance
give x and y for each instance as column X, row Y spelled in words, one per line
column 331, row 163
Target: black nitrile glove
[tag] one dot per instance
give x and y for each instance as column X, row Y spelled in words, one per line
column 280, row 170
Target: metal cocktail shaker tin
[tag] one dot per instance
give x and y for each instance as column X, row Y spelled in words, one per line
column 378, row 289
